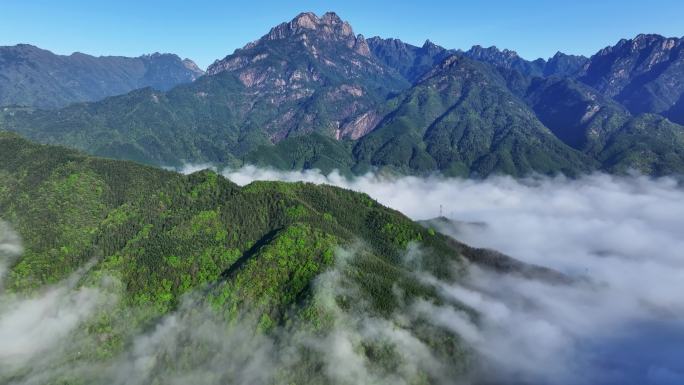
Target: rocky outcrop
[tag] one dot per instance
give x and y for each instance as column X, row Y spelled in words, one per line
column 194, row 69
column 329, row 27
column 306, row 27
column 359, row 126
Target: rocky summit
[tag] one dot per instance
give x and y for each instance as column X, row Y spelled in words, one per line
column 314, row 61
column 306, row 28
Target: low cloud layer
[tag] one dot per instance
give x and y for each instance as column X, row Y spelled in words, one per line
column 32, row 326
column 621, row 237
column 621, row 322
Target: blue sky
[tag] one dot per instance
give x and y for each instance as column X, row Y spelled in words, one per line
column 208, row 30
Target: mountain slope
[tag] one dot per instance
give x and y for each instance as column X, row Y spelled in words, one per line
column 577, row 114
column 646, row 73
column 258, row 250
column 410, row 61
column 314, row 151
column 649, row 144
column 676, row 113
column 562, row 64
column 314, row 72
column 461, row 119
column 603, row 129
column 194, row 122
column 309, row 75
column 30, row 76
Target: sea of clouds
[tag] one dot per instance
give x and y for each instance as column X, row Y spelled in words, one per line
column 621, row 237
column 621, row 322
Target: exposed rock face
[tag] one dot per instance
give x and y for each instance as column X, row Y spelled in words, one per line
column 194, row 69
column 165, row 71
column 307, row 28
column 310, row 63
column 328, row 27
column 31, row 76
column 361, row 46
column 360, row 126
column 646, row 73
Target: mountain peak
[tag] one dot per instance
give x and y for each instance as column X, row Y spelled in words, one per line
column 25, row 45
column 316, row 35
column 331, row 18
column 642, row 41
column 431, row 48
column 480, row 52
column 648, row 36
column 329, row 25
column 193, row 67
column 307, row 20
column 454, row 60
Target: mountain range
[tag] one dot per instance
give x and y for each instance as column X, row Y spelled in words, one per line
column 30, row 76
column 313, row 94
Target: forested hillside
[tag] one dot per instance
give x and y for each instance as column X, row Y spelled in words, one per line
column 147, row 237
column 34, row 77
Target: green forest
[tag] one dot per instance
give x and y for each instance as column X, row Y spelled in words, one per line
column 152, row 237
